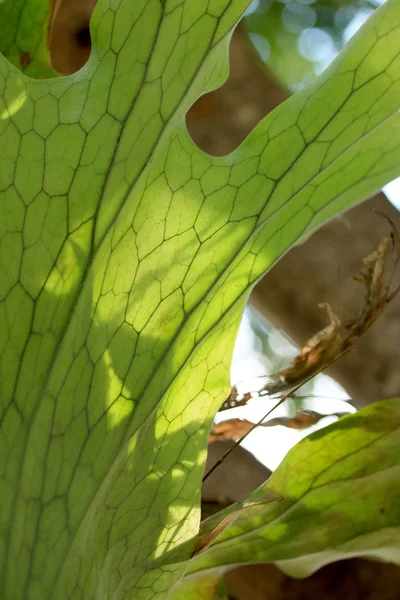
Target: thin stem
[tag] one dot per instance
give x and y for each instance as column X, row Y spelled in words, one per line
column 281, row 401
column 222, row 458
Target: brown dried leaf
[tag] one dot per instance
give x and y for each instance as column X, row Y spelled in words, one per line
column 377, row 292
column 318, row 351
column 302, row 420
column 232, row 400
column 332, row 342
column 233, row 429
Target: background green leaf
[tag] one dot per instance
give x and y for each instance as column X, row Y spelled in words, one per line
column 23, row 35
column 127, row 255
column 298, row 39
column 210, row 587
column 340, row 499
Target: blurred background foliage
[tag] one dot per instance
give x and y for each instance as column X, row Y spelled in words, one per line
column 299, row 38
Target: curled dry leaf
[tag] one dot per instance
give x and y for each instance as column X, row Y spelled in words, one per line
column 320, row 349
column 234, row 429
column 233, row 399
column 335, row 340
column 301, row 420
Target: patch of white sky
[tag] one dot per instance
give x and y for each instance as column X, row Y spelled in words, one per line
column 249, row 371
column 250, row 366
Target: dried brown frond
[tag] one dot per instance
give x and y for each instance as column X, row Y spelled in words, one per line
column 234, row 429
column 335, row 340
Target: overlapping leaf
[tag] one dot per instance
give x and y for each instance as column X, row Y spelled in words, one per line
column 211, row 587
column 340, row 499
column 23, row 35
column 126, row 258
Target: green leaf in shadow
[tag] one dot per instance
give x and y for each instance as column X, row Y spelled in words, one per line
column 340, row 489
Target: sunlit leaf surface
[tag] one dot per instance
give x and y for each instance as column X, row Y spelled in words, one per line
column 126, row 258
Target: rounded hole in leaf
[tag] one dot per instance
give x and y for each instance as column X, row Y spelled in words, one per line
column 220, row 120
column 69, row 35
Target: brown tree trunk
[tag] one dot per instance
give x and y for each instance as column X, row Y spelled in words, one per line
column 355, row 579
